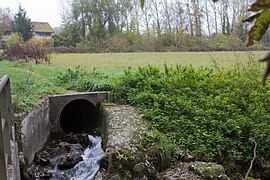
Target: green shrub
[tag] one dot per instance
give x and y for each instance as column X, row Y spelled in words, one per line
column 14, row 39
column 81, row 80
column 213, row 113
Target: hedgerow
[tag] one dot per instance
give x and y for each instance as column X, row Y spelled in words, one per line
column 213, row 113
column 33, row 49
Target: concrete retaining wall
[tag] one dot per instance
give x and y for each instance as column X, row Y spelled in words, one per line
column 35, row 130
column 57, row 104
column 44, row 119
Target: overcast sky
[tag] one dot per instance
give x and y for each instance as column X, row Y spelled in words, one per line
column 37, row 10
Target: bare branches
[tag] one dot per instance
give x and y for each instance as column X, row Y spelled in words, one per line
column 254, row 156
column 267, row 68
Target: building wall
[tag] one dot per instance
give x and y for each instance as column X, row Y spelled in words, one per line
column 42, row 35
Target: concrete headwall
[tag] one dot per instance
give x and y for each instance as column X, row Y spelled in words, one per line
column 9, row 163
column 44, row 119
column 57, row 104
column 35, row 130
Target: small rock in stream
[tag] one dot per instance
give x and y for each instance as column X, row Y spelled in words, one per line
column 78, row 138
column 45, row 175
column 42, row 158
column 62, row 151
column 72, row 158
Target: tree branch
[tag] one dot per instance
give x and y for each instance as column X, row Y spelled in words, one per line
column 254, row 156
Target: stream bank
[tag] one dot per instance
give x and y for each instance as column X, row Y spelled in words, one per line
column 124, row 158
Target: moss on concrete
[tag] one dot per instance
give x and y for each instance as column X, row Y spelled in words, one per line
column 208, row 171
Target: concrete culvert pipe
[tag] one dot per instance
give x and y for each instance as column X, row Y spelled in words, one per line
column 79, row 116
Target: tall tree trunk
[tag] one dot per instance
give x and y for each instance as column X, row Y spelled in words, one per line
column 156, row 15
column 167, row 16
column 197, row 18
column 207, row 19
column 190, row 18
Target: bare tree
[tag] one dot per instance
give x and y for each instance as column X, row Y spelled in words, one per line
column 207, row 18
column 167, row 15
column 5, row 20
column 155, row 11
column 190, row 18
column 147, row 18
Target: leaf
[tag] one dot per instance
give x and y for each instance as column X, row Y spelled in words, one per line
column 260, row 5
column 251, row 18
column 259, row 28
column 142, row 4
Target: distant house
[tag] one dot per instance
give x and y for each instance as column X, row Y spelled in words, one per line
column 42, row 30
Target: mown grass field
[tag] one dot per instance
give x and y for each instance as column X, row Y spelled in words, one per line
column 112, row 63
column 115, row 62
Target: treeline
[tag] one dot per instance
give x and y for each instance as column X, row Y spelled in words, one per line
column 165, row 43
column 163, row 25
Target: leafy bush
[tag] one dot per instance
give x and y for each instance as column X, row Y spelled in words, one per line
column 81, row 80
column 14, row 39
column 225, row 42
column 36, row 49
column 60, row 41
column 14, row 47
column 212, row 112
column 41, row 42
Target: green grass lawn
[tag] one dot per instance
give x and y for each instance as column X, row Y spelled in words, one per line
column 30, row 82
column 115, row 62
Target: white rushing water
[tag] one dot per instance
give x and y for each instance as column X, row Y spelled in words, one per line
column 86, row 169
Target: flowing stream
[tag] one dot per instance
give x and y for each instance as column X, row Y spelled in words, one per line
column 86, row 169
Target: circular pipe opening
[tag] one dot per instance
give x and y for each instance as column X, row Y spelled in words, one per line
column 79, row 116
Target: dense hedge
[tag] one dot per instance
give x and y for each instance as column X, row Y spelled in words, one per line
column 213, row 113
column 164, row 43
